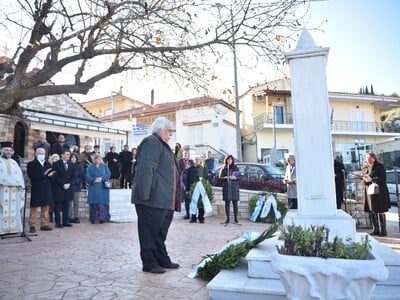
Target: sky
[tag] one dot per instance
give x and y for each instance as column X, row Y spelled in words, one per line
column 364, row 42
column 364, row 48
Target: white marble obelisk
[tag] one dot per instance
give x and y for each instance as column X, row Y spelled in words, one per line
column 313, row 141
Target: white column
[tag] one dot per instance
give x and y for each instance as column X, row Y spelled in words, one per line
column 313, row 142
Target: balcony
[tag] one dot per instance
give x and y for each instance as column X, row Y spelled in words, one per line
column 356, row 126
column 266, row 120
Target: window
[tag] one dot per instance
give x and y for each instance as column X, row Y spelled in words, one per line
column 196, row 134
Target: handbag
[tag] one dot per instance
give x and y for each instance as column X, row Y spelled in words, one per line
column 107, row 184
column 373, row 189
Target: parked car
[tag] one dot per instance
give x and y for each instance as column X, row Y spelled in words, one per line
column 391, row 184
column 257, row 177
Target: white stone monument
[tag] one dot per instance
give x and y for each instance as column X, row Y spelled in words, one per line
column 313, row 142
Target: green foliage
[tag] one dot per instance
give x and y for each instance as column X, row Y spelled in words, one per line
column 227, row 259
column 230, row 257
column 271, row 215
column 314, row 241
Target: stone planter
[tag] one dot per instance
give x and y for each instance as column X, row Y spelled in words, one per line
column 320, row 278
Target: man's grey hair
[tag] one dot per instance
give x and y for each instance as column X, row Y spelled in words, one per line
column 160, row 124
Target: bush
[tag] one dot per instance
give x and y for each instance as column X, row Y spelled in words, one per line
column 314, row 242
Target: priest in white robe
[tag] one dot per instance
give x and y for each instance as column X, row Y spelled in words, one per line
column 12, row 194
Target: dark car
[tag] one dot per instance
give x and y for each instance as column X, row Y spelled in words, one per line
column 256, row 177
column 391, row 181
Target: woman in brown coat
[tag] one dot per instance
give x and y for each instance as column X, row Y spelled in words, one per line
column 377, row 204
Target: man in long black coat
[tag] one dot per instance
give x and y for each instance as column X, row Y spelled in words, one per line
column 64, row 171
column 339, row 182
column 40, row 173
column 125, row 159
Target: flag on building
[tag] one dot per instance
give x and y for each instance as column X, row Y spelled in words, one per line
column 139, row 129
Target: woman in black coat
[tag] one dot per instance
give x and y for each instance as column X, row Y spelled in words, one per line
column 378, row 204
column 229, row 175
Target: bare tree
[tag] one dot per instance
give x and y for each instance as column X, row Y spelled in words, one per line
column 90, row 40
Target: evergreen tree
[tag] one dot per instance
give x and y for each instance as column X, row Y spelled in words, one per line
column 366, row 90
column 372, row 90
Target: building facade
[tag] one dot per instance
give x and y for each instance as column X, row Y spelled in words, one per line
column 267, row 123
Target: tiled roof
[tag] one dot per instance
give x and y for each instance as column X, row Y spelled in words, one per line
column 161, row 108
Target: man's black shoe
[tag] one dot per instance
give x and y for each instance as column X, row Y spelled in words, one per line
column 201, row 221
column 74, row 220
column 171, row 265
column 59, row 226
column 154, row 270
column 67, row 225
column 186, row 217
column 192, row 221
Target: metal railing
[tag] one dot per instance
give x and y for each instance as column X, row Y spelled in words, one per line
column 356, row 126
column 266, row 120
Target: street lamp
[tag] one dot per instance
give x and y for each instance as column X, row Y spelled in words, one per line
column 237, row 111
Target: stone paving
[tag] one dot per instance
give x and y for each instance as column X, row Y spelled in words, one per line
column 102, row 261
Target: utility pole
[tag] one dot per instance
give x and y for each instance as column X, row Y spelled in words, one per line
column 238, row 135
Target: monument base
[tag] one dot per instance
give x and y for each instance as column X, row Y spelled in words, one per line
column 341, row 224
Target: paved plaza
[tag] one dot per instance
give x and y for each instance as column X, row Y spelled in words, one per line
column 102, row 261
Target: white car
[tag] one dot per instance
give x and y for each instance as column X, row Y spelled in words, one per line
column 391, row 184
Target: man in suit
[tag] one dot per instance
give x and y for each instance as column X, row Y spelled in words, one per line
column 60, row 145
column 64, row 171
column 40, row 173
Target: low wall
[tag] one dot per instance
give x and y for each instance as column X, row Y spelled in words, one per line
column 122, row 211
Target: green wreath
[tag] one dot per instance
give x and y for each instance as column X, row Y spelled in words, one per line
column 207, row 188
column 271, row 215
column 230, row 257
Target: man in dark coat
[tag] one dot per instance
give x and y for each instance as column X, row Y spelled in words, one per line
column 193, row 175
column 60, row 145
column 42, row 143
column 40, row 173
column 339, row 181
column 125, row 159
column 63, row 177
column 156, row 193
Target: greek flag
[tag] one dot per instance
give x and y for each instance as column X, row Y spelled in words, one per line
column 139, row 129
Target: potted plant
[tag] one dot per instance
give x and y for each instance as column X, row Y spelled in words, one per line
column 312, row 266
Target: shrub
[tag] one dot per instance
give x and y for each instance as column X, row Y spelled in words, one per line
column 314, row 241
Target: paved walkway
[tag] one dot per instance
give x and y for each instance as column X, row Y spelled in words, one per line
column 102, row 261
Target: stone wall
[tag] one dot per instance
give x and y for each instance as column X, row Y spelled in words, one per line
column 353, row 207
column 245, row 195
